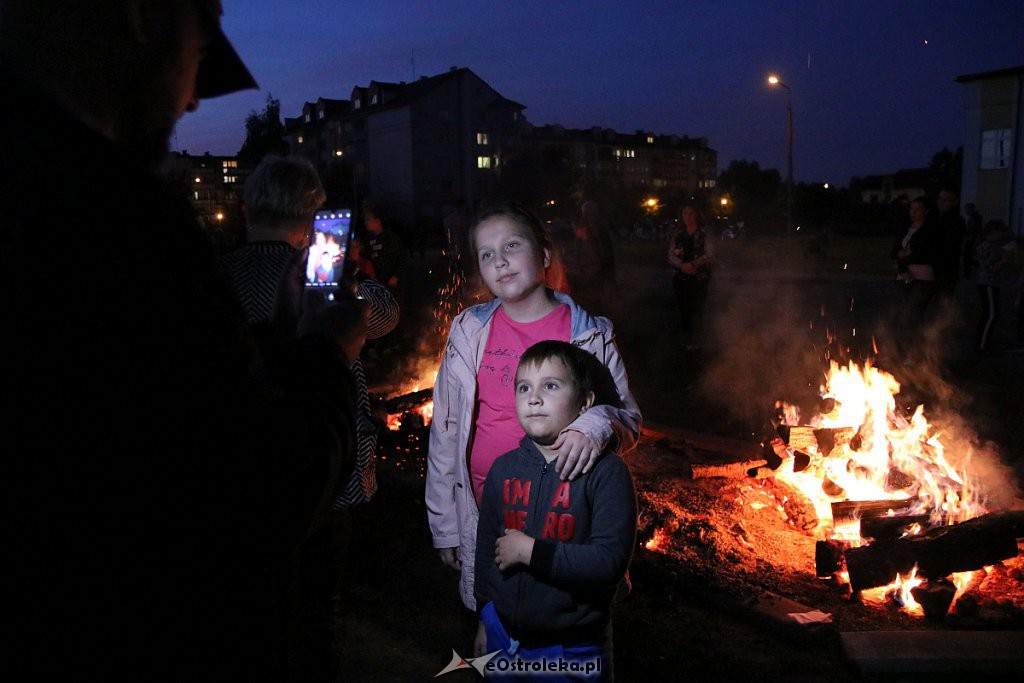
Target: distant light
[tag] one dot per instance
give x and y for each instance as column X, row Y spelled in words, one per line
column 198, row 179
column 725, row 201
column 924, row 42
column 773, row 79
column 826, row 186
column 219, row 216
column 338, row 153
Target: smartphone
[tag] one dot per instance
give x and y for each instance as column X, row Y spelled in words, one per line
column 327, row 248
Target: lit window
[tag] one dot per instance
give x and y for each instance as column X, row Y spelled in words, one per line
column 230, row 179
column 374, row 99
column 299, row 139
column 339, row 153
column 497, row 160
column 481, row 138
column 483, row 162
column 996, row 148
column 306, row 117
column 230, row 164
column 357, row 103
column 198, row 179
column 650, row 139
column 320, row 114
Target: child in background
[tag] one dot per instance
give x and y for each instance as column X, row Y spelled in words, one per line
column 994, row 249
column 474, row 404
column 550, row 553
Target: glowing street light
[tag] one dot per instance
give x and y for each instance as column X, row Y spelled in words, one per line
column 774, row 80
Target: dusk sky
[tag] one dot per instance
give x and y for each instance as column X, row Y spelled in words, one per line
column 872, row 82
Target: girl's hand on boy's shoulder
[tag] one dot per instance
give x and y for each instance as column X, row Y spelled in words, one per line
column 513, row 548
column 577, row 453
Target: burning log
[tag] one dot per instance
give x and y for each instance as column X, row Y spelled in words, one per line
column 852, row 510
column 889, row 528
column 731, row 470
column 939, row 552
column 829, row 557
column 825, row 441
column 408, row 402
column 935, row 597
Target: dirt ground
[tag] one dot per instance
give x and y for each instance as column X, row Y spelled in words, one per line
column 777, row 313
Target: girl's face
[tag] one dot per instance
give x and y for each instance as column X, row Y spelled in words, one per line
column 511, row 264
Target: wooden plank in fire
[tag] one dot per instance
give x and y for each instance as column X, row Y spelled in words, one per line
column 823, row 440
column 939, row 552
column 732, row 470
column 850, row 510
column 410, row 401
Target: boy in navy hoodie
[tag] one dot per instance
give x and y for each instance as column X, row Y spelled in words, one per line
column 550, row 553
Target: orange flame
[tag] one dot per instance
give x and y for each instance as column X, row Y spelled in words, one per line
column 426, row 411
column 885, row 443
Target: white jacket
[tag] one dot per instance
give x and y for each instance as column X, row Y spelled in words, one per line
column 451, row 506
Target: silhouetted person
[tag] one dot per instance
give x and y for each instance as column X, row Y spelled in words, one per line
column 994, row 249
column 915, row 251
column 950, row 231
column 280, row 201
column 590, row 259
column 158, row 463
column 384, row 248
column 973, row 224
column 691, row 253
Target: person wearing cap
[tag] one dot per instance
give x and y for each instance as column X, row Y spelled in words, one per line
column 160, row 461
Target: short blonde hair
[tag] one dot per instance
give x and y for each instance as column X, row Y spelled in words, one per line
column 283, row 189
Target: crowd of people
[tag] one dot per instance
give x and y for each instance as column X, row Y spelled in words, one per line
column 938, row 249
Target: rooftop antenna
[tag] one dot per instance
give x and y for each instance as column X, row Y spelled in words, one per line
column 412, row 61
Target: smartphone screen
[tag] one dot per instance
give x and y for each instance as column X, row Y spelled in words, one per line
column 327, row 248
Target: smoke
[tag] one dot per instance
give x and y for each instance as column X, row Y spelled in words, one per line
column 776, row 320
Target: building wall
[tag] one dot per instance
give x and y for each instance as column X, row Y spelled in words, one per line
column 994, row 103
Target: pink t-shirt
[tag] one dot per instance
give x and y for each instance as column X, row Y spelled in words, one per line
column 497, row 428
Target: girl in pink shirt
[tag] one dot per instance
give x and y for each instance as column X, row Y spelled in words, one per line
column 474, row 418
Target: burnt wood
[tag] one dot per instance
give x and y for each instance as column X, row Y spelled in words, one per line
column 889, row 528
column 829, row 557
column 939, row 552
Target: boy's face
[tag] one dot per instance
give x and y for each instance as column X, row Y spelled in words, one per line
column 547, row 400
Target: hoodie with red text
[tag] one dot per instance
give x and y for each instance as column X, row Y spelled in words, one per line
column 584, row 533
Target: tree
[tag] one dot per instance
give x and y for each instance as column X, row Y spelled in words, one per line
column 264, row 134
column 755, row 192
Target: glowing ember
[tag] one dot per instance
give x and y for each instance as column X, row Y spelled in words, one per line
column 657, row 540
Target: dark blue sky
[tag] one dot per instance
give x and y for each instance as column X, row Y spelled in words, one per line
column 872, row 82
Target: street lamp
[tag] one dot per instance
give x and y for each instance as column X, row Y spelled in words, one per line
column 774, row 80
